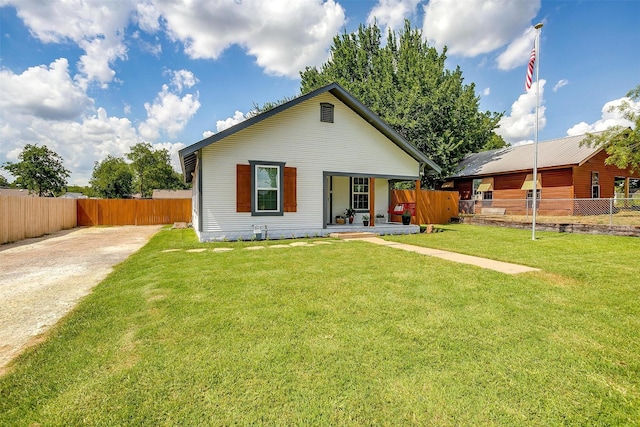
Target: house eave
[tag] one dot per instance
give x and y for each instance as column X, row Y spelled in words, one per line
column 188, row 154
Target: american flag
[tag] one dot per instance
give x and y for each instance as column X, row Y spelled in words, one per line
column 532, row 61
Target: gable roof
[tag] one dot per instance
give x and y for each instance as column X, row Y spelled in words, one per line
column 188, row 154
column 553, row 153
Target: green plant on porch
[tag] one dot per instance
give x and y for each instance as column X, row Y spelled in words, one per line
column 350, row 212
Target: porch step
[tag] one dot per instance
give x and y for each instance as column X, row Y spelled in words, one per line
column 352, row 235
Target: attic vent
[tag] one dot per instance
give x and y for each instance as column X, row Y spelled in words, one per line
column 326, row 112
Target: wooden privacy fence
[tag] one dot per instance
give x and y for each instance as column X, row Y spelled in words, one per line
column 133, row 211
column 25, row 217
column 432, row 207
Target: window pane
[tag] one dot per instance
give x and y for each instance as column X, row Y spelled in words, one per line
column 267, row 177
column 267, row 200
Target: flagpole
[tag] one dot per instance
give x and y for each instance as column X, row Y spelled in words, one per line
column 538, row 28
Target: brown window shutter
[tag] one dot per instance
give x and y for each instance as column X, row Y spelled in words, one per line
column 290, row 201
column 243, row 188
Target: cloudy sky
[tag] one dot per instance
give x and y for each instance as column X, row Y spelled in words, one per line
column 91, row 78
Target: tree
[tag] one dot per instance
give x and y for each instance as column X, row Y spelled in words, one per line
column 620, row 143
column 405, row 83
column 112, row 178
column 39, row 170
column 152, row 169
column 3, row 181
column 86, row 190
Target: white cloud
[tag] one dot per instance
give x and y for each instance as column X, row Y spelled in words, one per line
column 283, row 36
column 391, row 14
column 486, row 91
column 474, row 27
column 207, row 134
column 45, row 106
column 80, row 143
column 519, row 125
column 518, row 52
column 147, row 16
column 561, row 83
column 170, row 113
column 183, row 79
column 611, row 116
column 173, row 148
column 44, row 92
column 100, row 53
column 96, row 27
column 231, row 121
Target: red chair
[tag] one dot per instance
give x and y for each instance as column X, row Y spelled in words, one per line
column 400, row 208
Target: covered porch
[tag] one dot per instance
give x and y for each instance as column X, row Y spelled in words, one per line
column 367, row 199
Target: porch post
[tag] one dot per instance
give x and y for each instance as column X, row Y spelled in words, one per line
column 418, row 197
column 372, row 201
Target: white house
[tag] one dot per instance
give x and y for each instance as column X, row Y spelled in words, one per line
column 289, row 171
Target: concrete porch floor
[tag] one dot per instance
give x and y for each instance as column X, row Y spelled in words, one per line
column 380, row 228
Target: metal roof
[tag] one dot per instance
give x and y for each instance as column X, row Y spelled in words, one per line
column 553, row 153
column 188, row 154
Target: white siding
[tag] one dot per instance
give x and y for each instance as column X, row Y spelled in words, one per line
column 382, row 197
column 297, row 137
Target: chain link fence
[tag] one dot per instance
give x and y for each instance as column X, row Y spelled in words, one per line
column 614, row 211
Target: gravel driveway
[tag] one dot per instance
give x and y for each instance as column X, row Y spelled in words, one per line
column 42, row 279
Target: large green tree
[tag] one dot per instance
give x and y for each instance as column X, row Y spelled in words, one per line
column 622, row 144
column 3, row 181
column 152, row 169
column 39, row 170
column 406, row 83
column 112, row 178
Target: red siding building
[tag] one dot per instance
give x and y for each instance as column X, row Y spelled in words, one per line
column 503, row 178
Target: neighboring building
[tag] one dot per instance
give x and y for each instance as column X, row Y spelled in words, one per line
column 16, row 192
column 294, row 168
column 73, row 196
column 171, row 194
column 566, row 170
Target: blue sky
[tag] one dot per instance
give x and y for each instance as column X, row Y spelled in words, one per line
column 92, row 78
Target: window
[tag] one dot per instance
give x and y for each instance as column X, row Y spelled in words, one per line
column 261, row 192
column 487, row 195
column 267, row 187
column 326, row 112
column 360, row 194
column 530, row 194
column 595, row 185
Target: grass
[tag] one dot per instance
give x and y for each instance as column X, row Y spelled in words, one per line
column 346, row 333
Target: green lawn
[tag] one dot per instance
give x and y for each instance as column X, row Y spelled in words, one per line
column 346, row 333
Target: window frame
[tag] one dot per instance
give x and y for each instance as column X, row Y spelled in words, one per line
column 595, row 185
column 530, row 194
column 354, row 193
column 279, row 211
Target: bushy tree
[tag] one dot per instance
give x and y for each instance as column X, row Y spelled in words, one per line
column 84, row 189
column 152, row 169
column 112, row 178
column 620, row 143
column 406, row 83
column 3, row 181
column 39, row 170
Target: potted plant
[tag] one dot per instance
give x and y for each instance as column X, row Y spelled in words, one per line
column 380, row 218
column 406, row 217
column 350, row 213
column 365, row 220
column 340, row 219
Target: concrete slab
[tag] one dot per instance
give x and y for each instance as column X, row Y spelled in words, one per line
column 502, row 267
column 352, row 235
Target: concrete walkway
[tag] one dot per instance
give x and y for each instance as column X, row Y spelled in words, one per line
column 502, row 267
